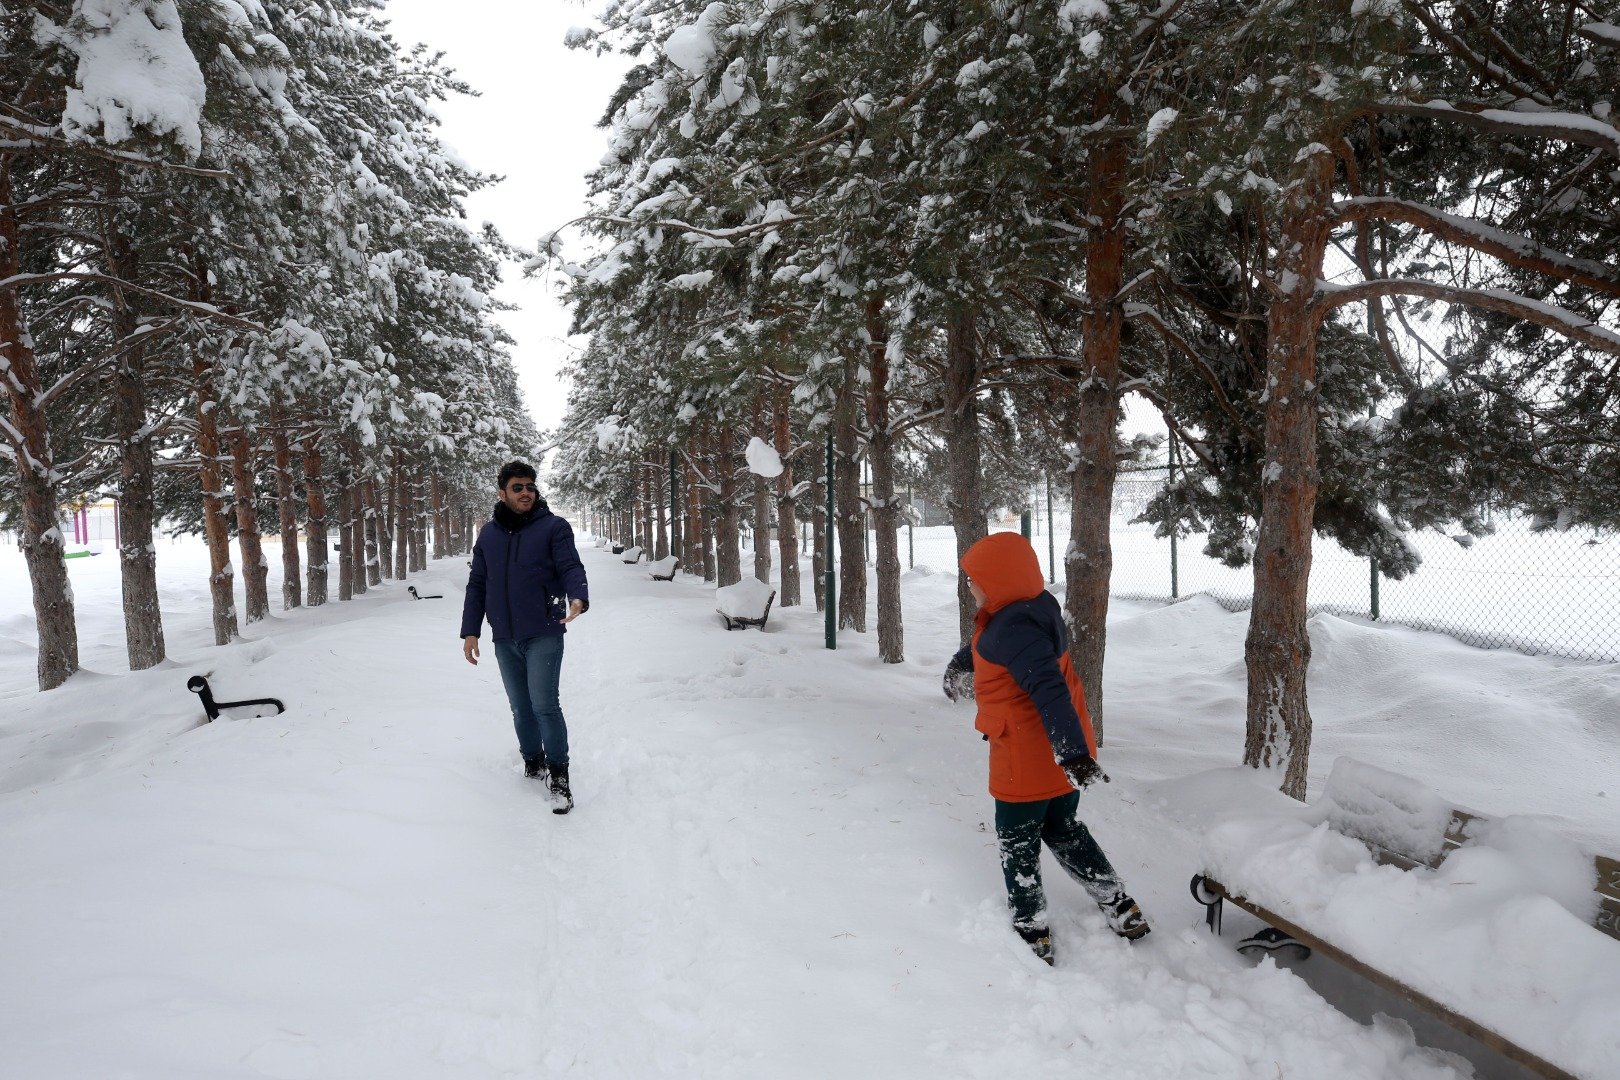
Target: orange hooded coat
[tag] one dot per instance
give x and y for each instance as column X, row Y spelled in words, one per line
column 1026, row 623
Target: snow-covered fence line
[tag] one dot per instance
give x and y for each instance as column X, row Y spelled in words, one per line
column 1542, row 592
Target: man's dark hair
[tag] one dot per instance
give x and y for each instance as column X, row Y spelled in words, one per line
column 512, row 469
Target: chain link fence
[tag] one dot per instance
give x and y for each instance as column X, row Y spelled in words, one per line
column 1550, row 592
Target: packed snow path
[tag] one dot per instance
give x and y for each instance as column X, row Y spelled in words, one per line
column 781, row 865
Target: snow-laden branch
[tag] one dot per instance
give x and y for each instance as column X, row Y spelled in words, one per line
column 1565, row 126
column 1559, row 320
column 207, row 311
column 39, row 137
column 1512, row 248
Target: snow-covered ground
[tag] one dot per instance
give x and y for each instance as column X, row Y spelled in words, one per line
column 781, row 863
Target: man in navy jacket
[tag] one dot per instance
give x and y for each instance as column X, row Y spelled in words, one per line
column 528, row 581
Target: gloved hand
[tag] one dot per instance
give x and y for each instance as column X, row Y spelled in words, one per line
column 1084, row 771
column 958, row 683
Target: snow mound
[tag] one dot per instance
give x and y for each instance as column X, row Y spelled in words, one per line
column 747, row 599
column 1387, row 809
column 763, row 460
column 1498, row 932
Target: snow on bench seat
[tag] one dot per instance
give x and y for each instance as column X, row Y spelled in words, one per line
column 1496, row 925
column 632, row 554
column 664, row 569
column 747, row 603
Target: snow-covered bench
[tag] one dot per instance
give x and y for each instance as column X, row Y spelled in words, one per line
column 631, row 554
column 745, row 604
column 664, row 569
column 1496, row 927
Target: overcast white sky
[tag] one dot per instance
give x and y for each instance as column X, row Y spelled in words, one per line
column 534, row 125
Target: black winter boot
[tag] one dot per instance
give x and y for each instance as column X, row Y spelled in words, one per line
column 559, row 790
column 534, row 766
column 1039, row 941
column 1125, row 918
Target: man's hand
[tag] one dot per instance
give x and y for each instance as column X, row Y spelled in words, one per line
column 576, row 608
column 1084, row 771
column 469, row 649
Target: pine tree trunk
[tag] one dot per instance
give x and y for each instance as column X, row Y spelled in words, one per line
column 695, row 543
column 441, row 531
column 787, row 520
column 374, row 537
column 358, row 511
column 287, row 512
column 42, row 543
column 419, row 525
column 255, row 571
column 662, row 525
column 1089, row 561
column 961, row 434
column 211, row 475
column 345, row 514
column 137, row 514
column 885, row 507
column 402, row 521
column 818, row 542
column 316, row 548
column 1278, row 647
column 727, row 544
column 851, row 511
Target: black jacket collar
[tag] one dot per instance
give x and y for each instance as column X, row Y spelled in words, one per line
column 511, row 520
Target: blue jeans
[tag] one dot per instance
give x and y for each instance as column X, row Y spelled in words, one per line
column 531, row 668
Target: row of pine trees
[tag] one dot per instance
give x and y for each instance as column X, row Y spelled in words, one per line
column 1357, row 254
column 238, row 294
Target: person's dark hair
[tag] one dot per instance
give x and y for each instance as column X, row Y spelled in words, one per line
column 512, row 469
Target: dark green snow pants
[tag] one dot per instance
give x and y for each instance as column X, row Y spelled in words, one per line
column 1021, row 827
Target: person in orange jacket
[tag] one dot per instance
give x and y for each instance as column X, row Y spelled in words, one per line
column 1043, row 752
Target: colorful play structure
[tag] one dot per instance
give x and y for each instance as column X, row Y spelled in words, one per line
column 94, row 526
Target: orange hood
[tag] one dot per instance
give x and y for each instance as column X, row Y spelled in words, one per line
column 1005, row 566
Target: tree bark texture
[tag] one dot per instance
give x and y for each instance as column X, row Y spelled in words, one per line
column 727, row 544
column 787, row 520
column 762, row 503
column 402, row 521
column 137, row 514
column 211, row 475
column 316, row 546
column 1088, row 563
column 1278, row 647
column 287, row 514
column 357, row 521
column 255, row 571
column 961, row 433
column 419, row 524
column 42, row 542
column 345, row 513
column 694, row 521
column 851, row 510
column 441, row 530
column 374, row 537
column 661, row 523
column 885, row 507
column 818, row 541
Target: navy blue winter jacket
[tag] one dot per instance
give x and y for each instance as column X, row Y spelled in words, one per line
column 525, row 570
column 1029, row 638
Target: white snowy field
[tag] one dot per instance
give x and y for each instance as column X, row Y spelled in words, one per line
column 781, row 863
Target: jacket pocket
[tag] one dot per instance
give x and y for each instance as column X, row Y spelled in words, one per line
column 990, row 724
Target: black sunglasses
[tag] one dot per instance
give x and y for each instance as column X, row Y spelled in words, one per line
column 515, row 488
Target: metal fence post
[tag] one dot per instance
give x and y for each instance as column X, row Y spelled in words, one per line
column 1372, row 583
column 830, row 586
column 1175, row 566
column 1051, row 539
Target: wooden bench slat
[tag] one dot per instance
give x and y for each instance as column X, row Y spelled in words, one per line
column 1485, row 1036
